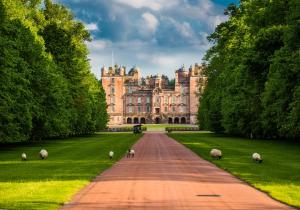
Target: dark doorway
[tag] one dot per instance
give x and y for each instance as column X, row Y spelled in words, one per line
column 183, row 121
column 157, row 110
column 170, row 121
column 129, row 120
column 143, row 120
column 176, row 120
column 136, row 120
column 157, row 120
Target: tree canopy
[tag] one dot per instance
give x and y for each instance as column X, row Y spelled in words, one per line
column 253, row 71
column 47, row 88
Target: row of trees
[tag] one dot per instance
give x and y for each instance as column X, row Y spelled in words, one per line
column 253, row 70
column 47, row 88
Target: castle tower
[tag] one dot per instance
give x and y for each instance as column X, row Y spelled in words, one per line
column 194, row 77
column 113, row 83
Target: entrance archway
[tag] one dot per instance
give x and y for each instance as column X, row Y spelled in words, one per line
column 176, row 120
column 170, row 121
column 183, row 120
column 157, row 120
column 143, row 120
column 129, row 120
column 136, row 120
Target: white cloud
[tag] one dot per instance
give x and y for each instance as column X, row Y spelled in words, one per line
column 150, row 4
column 91, row 26
column 97, row 45
column 150, row 21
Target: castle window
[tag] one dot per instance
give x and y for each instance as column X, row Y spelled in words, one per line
column 173, row 99
column 129, row 89
column 166, row 99
column 148, row 108
column 148, row 100
column 112, row 90
column 166, row 109
column 130, row 100
column 112, row 108
column 112, row 100
column 173, row 109
column 139, row 100
column 112, row 80
column 139, row 109
column 130, row 109
column 182, row 90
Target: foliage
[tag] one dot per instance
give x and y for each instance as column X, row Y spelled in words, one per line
column 71, row 164
column 278, row 174
column 171, row 128
column 47, row 88
column 253, row 71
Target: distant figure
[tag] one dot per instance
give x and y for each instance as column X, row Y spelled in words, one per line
column 128, row 153
column 111, row 154
column 131, row 154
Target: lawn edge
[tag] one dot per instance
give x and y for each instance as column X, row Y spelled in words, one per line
column 94, row 178
column 241, row 179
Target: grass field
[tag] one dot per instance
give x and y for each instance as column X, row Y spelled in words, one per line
column 47, row 184
column 278, row 175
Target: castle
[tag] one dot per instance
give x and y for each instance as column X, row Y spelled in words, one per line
column 154, row 99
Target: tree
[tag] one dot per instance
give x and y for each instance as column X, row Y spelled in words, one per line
column 253, row 71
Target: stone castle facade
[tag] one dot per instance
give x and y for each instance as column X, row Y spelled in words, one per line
column 132, row 99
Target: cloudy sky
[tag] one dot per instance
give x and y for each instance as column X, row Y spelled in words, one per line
column 158, row 36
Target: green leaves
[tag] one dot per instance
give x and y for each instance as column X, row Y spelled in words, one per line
column 253, row 71
column 47, row 88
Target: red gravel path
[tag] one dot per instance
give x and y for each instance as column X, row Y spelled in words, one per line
column 166, row 175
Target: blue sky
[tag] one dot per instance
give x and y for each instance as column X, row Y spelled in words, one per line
column 158, row 36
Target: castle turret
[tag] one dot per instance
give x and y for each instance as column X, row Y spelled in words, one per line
column 103, row 71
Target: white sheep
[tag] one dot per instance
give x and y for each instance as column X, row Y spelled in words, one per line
column 132, row 153
column 256, row 157
column 43, row 154
column 24, row 156
column 111, row 154
column 216, row 153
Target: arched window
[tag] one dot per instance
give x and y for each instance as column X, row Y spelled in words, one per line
column 129, row 120
column 183, row 120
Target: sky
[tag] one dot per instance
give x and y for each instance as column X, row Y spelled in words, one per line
column 157, row 36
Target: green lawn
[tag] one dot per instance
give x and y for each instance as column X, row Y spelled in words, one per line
column 278, row 175
column 47, row 184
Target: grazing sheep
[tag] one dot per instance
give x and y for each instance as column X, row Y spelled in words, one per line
column 111, row 154
column 24, row 156
column 215, row 153
column 132, row 153
column 43, row 154
column 257, row 158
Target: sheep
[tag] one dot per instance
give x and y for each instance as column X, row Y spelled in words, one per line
column 111, row 154
column 131, row 153
column 257, row 158
column 43, row 154
column 24, row 156
column 215, row 153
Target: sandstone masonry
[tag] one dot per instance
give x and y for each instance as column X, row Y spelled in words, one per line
column 132, row 99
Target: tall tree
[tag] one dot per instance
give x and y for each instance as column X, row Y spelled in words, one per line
column 252, row 71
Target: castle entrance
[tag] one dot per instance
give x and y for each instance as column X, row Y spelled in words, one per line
column 136, row 120
column 157, row 120
column 143, row 120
